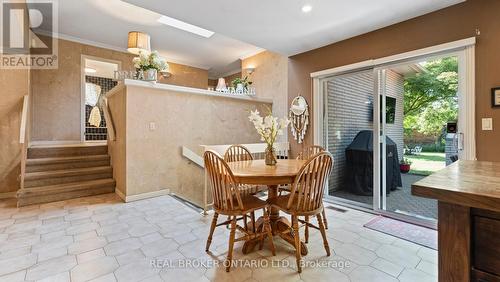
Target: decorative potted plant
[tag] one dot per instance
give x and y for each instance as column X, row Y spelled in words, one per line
column 269, row 128
column 405, row 165
column 148, row 65
column 241, row 85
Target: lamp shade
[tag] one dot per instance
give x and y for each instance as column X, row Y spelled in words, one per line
column 138, row 42
column 221, row 84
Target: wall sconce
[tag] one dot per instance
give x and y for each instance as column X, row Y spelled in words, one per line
column 138, row 42
column 165, row 74
column 250, row 70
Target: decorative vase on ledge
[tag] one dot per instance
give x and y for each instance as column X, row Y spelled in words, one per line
column 151, row 75
column 270, row 155
column 239, row 88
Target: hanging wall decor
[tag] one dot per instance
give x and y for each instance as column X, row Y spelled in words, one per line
column 299, row 117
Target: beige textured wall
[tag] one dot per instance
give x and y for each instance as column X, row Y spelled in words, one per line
column 270, row 79
column 153, row 158
column 13, row 87
column 57, row 93
column 228, row 79
column 212, row 83
column 186, row 76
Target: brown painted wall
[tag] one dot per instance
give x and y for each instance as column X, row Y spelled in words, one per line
column 453, row 23
column 57, row 93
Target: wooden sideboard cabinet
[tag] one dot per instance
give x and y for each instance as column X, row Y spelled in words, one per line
column 468, row 194
column 485, row 245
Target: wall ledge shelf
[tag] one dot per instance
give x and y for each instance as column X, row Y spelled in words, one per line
column 190, row 90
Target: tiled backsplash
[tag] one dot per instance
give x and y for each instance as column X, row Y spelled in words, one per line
column 92, row 132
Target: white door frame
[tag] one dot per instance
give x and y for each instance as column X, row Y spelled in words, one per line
column 465, row 51
column 82, row 88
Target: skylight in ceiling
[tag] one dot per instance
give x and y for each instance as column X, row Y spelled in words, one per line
column 185, row 26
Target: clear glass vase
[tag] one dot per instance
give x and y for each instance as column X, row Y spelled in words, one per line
column 151, row 75
column 270, row 155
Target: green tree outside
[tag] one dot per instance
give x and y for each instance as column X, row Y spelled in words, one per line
column 430, row 99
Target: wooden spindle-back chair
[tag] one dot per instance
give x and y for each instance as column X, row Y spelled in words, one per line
column 310, row 151
column 306, row 154
column 236, row 153
column 229, row 201
column 306, row 197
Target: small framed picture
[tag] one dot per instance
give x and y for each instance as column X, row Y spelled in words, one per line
column 495, row 97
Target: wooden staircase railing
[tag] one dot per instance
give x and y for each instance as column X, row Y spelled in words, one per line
column 24, row 138
column 109, row 120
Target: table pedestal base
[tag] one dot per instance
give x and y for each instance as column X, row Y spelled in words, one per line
column 281, row 227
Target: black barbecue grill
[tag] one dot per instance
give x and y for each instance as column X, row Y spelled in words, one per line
column 359, row 159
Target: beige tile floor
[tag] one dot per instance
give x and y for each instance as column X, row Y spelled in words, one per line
column 101, row 239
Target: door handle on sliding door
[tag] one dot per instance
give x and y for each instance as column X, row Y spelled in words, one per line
column 460, row 141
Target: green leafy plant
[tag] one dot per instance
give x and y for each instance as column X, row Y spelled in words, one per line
column 430, row 101
column 245, row 81
column 405, row 161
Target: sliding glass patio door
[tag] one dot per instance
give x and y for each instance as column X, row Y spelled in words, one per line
column 348, row 127
column 391, row 125
column 421, row 130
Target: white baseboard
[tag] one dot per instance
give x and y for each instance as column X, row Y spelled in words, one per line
column 8, row 195
column 54, row 143
column 142, row 196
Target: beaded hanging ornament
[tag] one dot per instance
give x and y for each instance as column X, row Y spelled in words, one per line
column 299, row 118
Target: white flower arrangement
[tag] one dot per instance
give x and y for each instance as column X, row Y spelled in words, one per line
column 268, row 127
column 152, row 60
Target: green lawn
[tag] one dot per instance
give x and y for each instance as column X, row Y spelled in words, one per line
column 427, row 163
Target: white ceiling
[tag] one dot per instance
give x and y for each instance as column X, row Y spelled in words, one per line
column 107, row 22
column 103, row 69
column 240, row 26
column 281, row 26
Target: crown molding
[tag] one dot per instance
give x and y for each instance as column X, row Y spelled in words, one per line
column 253, row 53
column 111, row 47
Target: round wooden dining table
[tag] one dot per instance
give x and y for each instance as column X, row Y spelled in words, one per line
column 256, row 172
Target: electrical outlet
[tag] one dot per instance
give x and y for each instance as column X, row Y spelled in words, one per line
column 152, row 126
column 487, row 123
